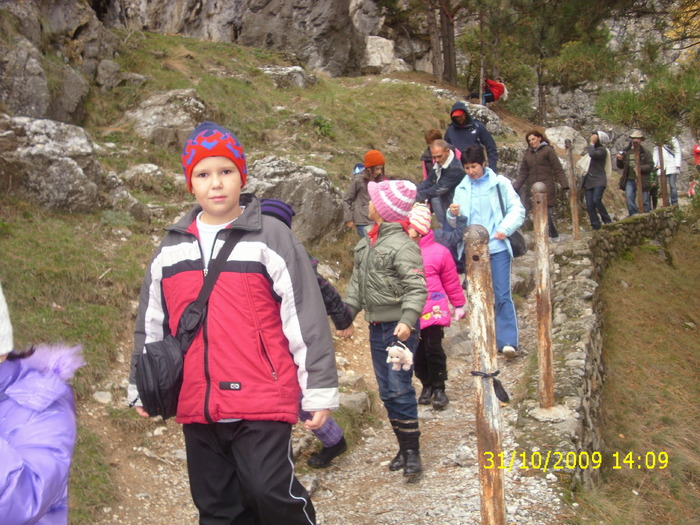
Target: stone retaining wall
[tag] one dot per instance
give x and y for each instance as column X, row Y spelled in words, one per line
column 572, row 426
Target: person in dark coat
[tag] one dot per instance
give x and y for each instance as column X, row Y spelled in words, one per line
column 626, row 160
column 438, row 188
column 541, row 164
column 465, row 131
column 595, row 179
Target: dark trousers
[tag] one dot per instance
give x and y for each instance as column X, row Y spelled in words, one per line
column 595, row 206
column 242, row 473
column 430, row 361
column 553, row 233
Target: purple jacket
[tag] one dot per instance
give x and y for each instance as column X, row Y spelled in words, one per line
column 37, row 435
column 442, row 282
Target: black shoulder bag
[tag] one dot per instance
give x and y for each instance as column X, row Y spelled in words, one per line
column 159, row 368
column 517, row 241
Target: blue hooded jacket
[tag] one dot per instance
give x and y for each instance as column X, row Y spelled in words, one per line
column 471, row 132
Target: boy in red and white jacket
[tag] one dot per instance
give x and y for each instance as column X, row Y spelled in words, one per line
column 264, row 342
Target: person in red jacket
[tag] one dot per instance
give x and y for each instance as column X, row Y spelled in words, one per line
column 442, row 282
column 265, row 342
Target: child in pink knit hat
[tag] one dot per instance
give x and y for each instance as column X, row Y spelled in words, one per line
column 444, row 288
column 387, row 282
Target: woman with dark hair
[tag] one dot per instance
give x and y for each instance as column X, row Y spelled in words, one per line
column 596, row 179
column 478, row 198
column 541, row 164
column 38, row 429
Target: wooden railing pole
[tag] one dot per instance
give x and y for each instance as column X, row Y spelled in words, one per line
column 544, row 304
column 573, row 192
column 662, row 180
column 488, row 416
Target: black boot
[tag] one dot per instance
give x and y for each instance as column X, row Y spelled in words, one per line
column 398, row 462
column 440, row 399
column 425, row 394
column 323, row 457
column 413, row 465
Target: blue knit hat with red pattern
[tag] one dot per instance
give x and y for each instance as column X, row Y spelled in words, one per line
column 211, row 140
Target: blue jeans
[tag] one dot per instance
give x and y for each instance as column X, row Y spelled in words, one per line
column 362, row 229
column 595, row 206
column 506, row 320
column 395, row 386
column 631, row 194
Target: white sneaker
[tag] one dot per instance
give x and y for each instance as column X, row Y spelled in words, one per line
column 509, row 351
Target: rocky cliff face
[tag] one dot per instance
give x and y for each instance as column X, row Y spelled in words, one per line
column 329, row 36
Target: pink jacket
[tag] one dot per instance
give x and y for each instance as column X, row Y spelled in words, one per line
column 442, row 282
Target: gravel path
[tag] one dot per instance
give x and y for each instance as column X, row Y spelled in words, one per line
column 357, row 488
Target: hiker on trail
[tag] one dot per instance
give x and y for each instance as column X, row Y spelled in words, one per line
column 596, row 177
column 671, row 155
column 541, row 164
column 438, row 188
column 444, row 288
column 478, row 197
column 626, row 160
column 465, row 130
column 493, row 90
column 265, row 342
column 356, row 198
column 426, row 158
column 388, row 283
column 330, row 434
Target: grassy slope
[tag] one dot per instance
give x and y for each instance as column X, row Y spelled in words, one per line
column 652, row 306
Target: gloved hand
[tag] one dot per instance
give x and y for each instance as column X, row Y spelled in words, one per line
column 459, row 313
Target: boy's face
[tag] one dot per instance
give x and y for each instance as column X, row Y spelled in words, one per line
column 216, row 184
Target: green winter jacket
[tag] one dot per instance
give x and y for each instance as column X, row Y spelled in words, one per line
column 388, row 280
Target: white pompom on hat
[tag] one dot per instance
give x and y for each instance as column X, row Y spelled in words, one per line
column 392, row 199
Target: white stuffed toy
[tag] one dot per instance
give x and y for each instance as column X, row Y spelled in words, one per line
column 400, row 356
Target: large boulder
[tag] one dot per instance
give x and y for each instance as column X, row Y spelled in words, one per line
column 167, row 118
column 54, row 164
column 34, row 85
column 318, row 204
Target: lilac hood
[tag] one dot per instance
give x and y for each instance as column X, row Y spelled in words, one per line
column 37, row 435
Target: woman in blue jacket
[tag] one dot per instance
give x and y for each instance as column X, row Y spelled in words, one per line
column 477, row 199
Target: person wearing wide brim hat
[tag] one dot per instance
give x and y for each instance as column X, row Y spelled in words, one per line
column 626, row 160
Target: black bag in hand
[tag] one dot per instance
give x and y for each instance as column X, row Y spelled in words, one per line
column 159, row 369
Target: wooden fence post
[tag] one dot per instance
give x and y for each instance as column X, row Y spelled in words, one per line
column 544, row 305
column 573, row 192
column 488, row 415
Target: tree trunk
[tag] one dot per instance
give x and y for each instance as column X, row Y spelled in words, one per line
column 447, row 31
column 541, row 101
column 434, row 33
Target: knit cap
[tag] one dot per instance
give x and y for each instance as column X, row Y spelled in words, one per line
column 211, row 140
column 374, row 158
column 277, row 209
column 392, row 199
column 419, row 218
